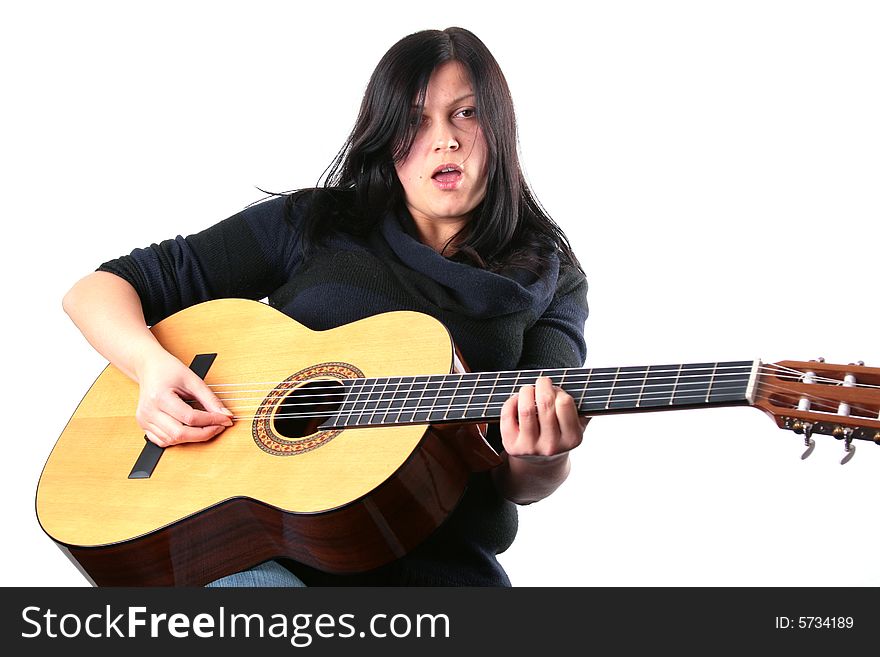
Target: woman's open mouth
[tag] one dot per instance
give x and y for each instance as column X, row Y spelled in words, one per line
column 447, row 176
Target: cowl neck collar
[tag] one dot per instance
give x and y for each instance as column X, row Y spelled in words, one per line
column 480, row 293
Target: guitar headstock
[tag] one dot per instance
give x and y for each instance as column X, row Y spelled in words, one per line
column 810, row 397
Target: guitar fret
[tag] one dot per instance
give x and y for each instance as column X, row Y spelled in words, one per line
column 732, row 383
column 660, row 390
column 624, row 393
column 410, row 403
column 390, row 400
column 456, row 408
column 467, row 405
column 432, row 392
column 692, row 389
column 491, row 396
column 514, row 387
column 446, row 396
column 447, row 399
column 611, row 391
column 561, row 383
column 598, row 394
column 530, row 378
column 344, row 415
column 375, row 401
column 580, row 402
column 711, row 380
column 479, row 398
column 501, row 393
column 404, row 398
column 362, row 402
column 675, row 385
column 642, row 389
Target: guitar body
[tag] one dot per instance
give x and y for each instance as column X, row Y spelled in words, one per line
column 339, row 500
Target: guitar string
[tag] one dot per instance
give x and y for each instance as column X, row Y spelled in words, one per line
column 492, row 412
column 453, row 378
column 516, row 373
column 383, row 396
column 384, row 383
column 610, row 374
column 483, row 390
column 814, row 396
column 369, row 407
column 389, row 388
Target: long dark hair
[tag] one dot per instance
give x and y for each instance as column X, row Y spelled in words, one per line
column 508, row 228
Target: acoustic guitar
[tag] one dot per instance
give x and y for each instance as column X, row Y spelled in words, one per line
column 349, row 446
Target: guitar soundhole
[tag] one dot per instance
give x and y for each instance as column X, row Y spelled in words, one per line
column 302, row 411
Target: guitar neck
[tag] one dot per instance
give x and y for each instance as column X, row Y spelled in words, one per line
column 478, row 397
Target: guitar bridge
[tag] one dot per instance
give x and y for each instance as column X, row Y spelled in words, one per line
column 151, row 453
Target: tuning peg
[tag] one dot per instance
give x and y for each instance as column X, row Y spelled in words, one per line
column 820, row 359
column 807, row 428
column 850, row 450
column 845, row 434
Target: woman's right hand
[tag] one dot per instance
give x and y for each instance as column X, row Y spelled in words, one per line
column 166, row 387
column 175, row 405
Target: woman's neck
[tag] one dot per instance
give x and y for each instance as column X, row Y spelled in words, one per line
column 440, row 234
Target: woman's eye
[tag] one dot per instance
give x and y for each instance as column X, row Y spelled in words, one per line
column 467, row 113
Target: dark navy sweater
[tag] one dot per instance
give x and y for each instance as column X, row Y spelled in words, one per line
column 499, row 321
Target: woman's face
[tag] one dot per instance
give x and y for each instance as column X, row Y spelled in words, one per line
column 444, row 174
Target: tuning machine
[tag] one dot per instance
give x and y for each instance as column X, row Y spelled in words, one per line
column 805, row 428
column 846, row 435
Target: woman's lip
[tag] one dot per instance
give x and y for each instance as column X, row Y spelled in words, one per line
column 449, row 165
column 448, row 181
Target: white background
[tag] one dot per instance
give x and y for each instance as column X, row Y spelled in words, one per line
column 715, row 165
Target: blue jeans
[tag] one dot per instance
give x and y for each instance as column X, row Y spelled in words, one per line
column 269, row 573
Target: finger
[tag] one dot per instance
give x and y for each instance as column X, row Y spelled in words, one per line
column 570, row 426
column 509, row 425
column 545, row 401
column 527, row 416
column 198, row 391
column 172, row 432
column 154, row 438
column 206, row 397
column 170, row 404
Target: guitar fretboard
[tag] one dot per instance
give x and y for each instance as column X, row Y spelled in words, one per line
column 479, row 396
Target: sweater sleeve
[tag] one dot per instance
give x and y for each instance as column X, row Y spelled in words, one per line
column 248, row 255
column 556, row 339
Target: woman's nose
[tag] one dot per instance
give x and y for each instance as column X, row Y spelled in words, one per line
column 445, row 140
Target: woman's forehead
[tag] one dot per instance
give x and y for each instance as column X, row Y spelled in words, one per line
column 450, row 83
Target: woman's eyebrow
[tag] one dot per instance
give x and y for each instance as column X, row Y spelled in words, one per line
column 454, row 102
column 461, row 98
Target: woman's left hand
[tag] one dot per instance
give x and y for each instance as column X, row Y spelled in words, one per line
column 539, row 427
column 541, row 422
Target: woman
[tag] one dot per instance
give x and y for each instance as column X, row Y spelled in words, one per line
column 425, row 208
